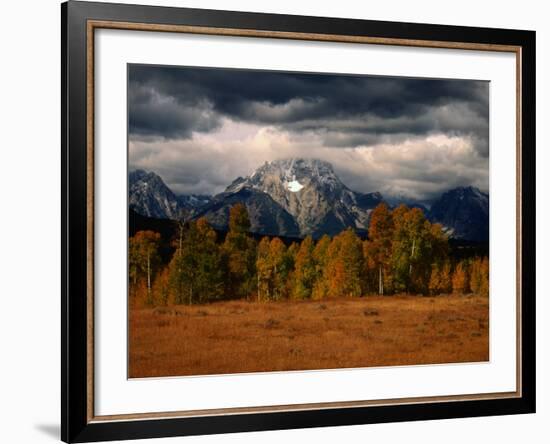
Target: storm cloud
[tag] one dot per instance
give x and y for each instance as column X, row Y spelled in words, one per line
column 200, row 128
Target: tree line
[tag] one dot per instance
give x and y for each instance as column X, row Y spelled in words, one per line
column 404, row 253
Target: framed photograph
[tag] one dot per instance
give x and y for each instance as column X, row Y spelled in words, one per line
column 276, row 221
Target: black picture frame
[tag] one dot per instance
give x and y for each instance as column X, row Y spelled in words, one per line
column 76, row 423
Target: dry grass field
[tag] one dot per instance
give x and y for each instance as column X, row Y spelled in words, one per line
column 240, row 336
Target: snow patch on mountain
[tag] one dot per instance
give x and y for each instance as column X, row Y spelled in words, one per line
column 294, row 186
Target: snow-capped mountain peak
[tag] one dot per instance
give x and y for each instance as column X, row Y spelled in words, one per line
column 311, row 192
column 150, row 196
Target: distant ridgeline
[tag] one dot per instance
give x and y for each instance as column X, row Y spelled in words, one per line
column 294, row 198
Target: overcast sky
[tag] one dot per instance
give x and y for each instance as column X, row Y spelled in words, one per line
column 200, row 128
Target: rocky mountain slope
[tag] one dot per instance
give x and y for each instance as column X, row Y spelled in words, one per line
column 299, row 197
column 463, row 212
column 150, row 196
column 305, row 191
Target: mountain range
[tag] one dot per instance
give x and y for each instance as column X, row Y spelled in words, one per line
column 463, row 212
column 299, row 197
column 150, row 196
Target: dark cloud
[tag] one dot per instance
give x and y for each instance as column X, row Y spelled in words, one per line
column 348, row 110
column 200, row 128
column 153, row 113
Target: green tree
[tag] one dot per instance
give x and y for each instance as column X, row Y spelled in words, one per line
column 264, row 270
column 305, row 271
column 280, row 267
column 417, row 245
column 196, row 274
column 371, row 274
column 273, row 266
column 408, row 246
column 320, row 257
column 288, row 269
column 239, row 250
